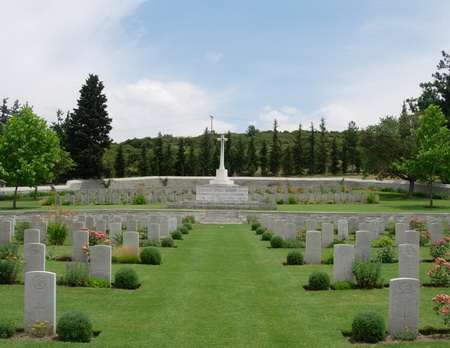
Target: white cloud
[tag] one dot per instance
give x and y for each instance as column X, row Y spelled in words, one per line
column 214, row 56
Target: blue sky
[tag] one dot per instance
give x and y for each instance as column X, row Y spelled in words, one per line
column 167, row 65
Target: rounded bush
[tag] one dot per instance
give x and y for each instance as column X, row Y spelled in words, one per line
column 150, row 256
column 188, row 225
column 260, row 230
column 368, row 327
column 177, row 235
column 167, row 242
column 255, row 225
column 6, row 328
column 277, row 242
column 319, row 280
column 295, row 257
column 126, row 278
column 266, row 236
column 183, row 229
column 74, row 326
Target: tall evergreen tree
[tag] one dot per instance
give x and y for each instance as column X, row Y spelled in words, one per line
column 334, row 157
column 229, row 154
column 312, row 151
column 205, row 154
column 351, row 156
column 167, row 167
column 287, row 161
column 88, row 130
column 158, row 156
column 298, row 152
column 263, row 158
column 322, row 149
column 119, row 165
column 191, row 161
column 275, row 153
column 252, row 157
column 144, row 163
column 240, row 157
column 180, row 163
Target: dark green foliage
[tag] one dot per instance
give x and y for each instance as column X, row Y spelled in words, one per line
column 183, row 229
column 367, row 274
column 7, row 328
column 292, row 200
column 126, row 278
column 167, row 242
column 312, row 151
column 180, row 162
column 334, row 167
column 260, row 230
column 295, row 257
column 177, row 235
column 57, row 233
column 8, row 250
column 386, row 254
column 267, row 235
column 252, row 158
column 294, row 243
column 74, row 326
column 255, row 226
column 188, row 225
column 328, row 260
column 277, row 242
column 240, row 160
column 370, row 199
column 10, row 265
column 139, row 199
column 88, row 127
column 263, row 158
column 275, row 153
column 342, row 285
column 119, row 164
column 76, row 274
column 205, row 154
column 383, row 241
column 322, row 149
column 150, row 256
column 333, row 243
column 280, row 201
column 149, row 242
column 319, row 280
column 19, row 230
column 287, row 161
column 368, row 327
column 189, row 219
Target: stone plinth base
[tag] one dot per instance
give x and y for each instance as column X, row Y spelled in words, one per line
column 221, row 194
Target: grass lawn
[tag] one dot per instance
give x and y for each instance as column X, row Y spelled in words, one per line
column 221, row 287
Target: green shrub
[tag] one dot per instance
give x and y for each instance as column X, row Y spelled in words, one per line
column 149, row 242
column 126, row 278
column 57, row 233
column 76, row 274
column 371, row 198
column 98, row 283
column 188, row 226
column 19, row 230
column 139, row 199
column 319, row 280
column 183, row 230
column 277, row 242
column 292, row 200
column 386, row 189
column 333, row 243
column 167, row 242
column 383, row 241
column 255, row 226
column 8, row 250
column 260, row 230
column 328, row 259
column 7, row 328
column 125, row 254
column 150, row 256
column 267, row 235
column 177, row 235
column 342, row 285
column 74, row 326
column 367, row 274
column 295, row 257
column 368, row 327
column 386, row 254
column 294, row 243
column 10, row 270
column 189, row 219
column 280, row 201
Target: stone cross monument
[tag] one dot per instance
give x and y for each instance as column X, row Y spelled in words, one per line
column 221, row 173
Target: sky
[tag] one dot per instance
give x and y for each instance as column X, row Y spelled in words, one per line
column 169, row 65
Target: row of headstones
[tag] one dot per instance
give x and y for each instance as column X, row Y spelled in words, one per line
column 288, row 228
column 314, row 198
column 307, row 189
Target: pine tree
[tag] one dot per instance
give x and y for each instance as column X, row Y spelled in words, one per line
column 180, row 163
column 263, row 158
column 252, row 158
column 119, row 165
column 298, row 152
column 205, row 154
column 88, row 130
column 191, row 161
column 240, row 158
column 158, row 156
column 275, row 153
column 322, row 149
column 144, row 163
column 167, row 167
column 334, row 168
column 312, row 151
column 287, row 161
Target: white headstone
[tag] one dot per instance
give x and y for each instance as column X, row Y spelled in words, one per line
column 34, row 255
column 342, row 229
column 100, row 226
column 327, row 234
column 31, row 236
column 131, row 241
column 278, row 227
column 311, row 224
column 42, row 227
column 412, row 237
column 344, row 255
column 404, row 303
column 290, row 231
column 363, row 245
column 115, row 228
column 131, row 225
column 90, row 222
column 80, row 238
column 408, row 261
column 101, row 262
column 436, row 232
column 313, row 247
column 40, row 299
column 5, row 231
column 164, row 227
column 400, row 229
column 153, row 231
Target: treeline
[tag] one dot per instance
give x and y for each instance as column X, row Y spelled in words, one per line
column 255, row 153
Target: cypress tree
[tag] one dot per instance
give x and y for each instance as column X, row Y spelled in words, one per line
column 298, row 152
column 312, row 151
column 119, row 165
column 334, row 168
column 263, row 158
column 181, row 159
column 275, row 153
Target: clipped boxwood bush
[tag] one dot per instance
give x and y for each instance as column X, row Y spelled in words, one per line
column 260, row 230
column 167, row 242
column 6, row 328
column 188, row 225
column 150, row 256
column 277, row 242
column 295, row 257
column 368, row 327
column 267, row 235
column 342, row 285
column 74, row 326
column 177, row 235
column 319, row 280
column 255, row 225
column 183, row 229
column 126, row 278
